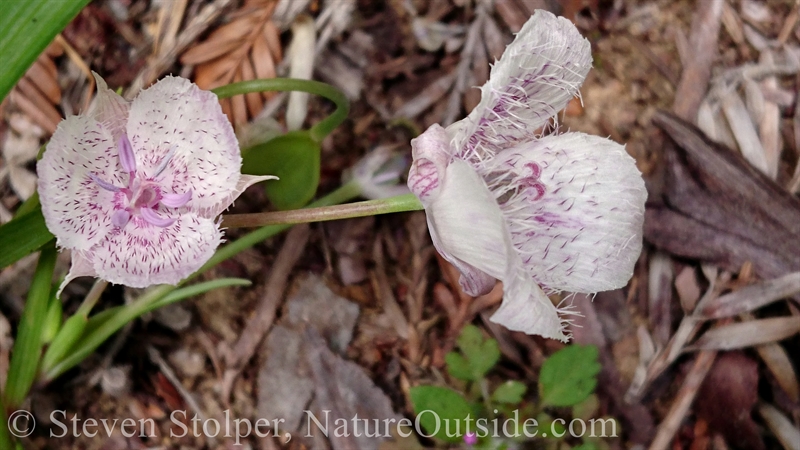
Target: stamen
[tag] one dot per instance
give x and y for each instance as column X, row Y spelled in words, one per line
column 120, row 218
column 176, row 200
column 152, row 218
column 103, row 184
column 165, row 161
column 126, row 156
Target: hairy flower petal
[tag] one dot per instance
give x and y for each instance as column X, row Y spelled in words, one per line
column 534, row 79
column 527, row 308
column 77, row 209
column 175, row 115
column 142, row 254
column 583, row 232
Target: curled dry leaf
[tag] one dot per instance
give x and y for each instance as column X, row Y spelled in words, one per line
column 718, row 209
column 246, row 48
column 749, row 298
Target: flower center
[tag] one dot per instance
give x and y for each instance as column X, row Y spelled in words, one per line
column 142, row 197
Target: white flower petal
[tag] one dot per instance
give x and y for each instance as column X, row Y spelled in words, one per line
column 76, row 209
column 535, row 78
column 142, row 254
column 109, row 109
column 526, row 308
column 467, row 228
column 176, row 113
column 432, row 152
column 81, row 267
column 583, row 233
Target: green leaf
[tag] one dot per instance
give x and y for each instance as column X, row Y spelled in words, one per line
column 510, row 393
column 586, row 446
column 26, row 27
column 436, row 406
column 569, row 376
column 295, row 159
column 481, row 353
column 458, row 367
column 22, row 236
column 28, row 346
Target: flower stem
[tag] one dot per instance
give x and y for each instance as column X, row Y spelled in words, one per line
column 91, row 298
column 318, row 131
column 400, row 203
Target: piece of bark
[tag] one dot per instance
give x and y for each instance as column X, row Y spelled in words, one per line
column 718, row 209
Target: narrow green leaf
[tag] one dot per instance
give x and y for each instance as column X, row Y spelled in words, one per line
column 510, row 393
column 66, row 338
column 295, row 159
column 569, row 375
column 26, row 28
column 28, row 346
column 101, row 326
column 442, row 412
column 22, row 236
column 52, row 322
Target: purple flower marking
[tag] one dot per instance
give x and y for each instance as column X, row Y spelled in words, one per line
column 133, row 189
column 539, row 213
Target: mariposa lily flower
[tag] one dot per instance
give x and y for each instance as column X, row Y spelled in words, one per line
column 540, row 213
column 134, row 188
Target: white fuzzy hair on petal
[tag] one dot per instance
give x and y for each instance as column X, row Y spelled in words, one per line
column 534, row 79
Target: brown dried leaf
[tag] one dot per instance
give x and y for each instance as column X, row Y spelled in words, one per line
column 38, row 93
column 244, row 49
column 786, row 432
column 779, row 364
column 719, row 209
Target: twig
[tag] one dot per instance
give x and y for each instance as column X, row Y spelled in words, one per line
column 264, row 315
column 679, row 409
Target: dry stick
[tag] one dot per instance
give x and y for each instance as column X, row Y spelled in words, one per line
column 197, row 26
column 697, row 71
column 680, row 407
column 264, row 315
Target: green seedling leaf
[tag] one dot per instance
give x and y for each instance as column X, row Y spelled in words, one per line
column 22, row 236
column 510, row 393
column 569, row 376
column 481, row 353
column 458, row 366
column 436, row 406
column 295, row 159
column 586, row 446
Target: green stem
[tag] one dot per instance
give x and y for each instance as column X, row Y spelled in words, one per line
column 160, row 295
column 28, row 346
column 344, row 193
column 318, row 131
column 6, row 441
column 91, row 298
column 400, row 203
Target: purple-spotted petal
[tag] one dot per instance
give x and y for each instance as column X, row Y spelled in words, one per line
column 245, row 181
column 432, row 152
column 534, row 79
column 76, row 208
column 142, row 254
column 109, row 109
column 584, row 232
column 153, row 218
column 176, row 200
column 175, row 115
